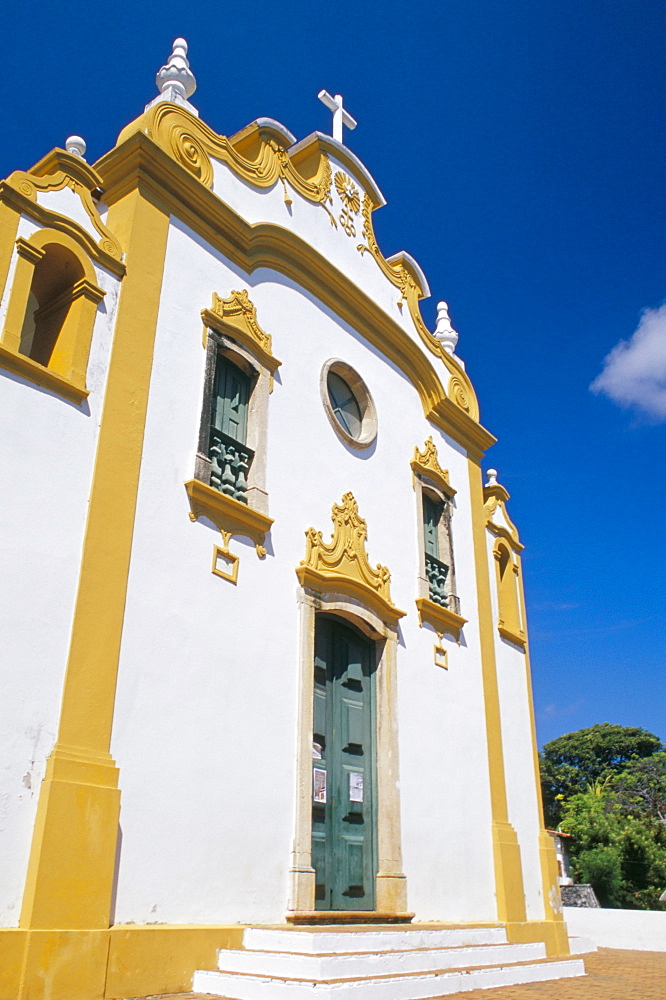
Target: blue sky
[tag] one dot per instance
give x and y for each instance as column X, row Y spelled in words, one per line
column 520, row 146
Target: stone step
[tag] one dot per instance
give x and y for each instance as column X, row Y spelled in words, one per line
column 327, row 941
column 368, row 964
column 243, row 986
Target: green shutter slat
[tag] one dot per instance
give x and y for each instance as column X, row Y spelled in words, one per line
column 232, row 392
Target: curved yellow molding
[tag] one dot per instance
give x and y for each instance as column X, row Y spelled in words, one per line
column 426, row 463
column 266, row 245
column 343, row 564
column 496, row 496
column 237, row 315
column 405, row 279
column 57, row 170
column 192, row 143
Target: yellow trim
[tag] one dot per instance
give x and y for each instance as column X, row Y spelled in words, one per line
column 122, row 961
column 34, row 372
column 552, row 932
column 57, row 170
column 230, row 559
column 23, row 204
column 192, row 143
column 230, row 516
column 443, row 620
column 497, row 496
column 66, row 371
column 426, row 463
column 517, row 636
column 405, row 278
column 9, row 220
column 506, row 850
column 440, row 657
column 343, row 564
column 70, row 872
column 547, row 855
column 237, row 316
column 509, row 623
column 138, row 159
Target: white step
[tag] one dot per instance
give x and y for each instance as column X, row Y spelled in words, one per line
column 581, row 945
column 358, row 965
column 307, row 941
column 425, row 987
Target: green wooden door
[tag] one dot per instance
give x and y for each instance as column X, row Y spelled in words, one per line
column 343, row 807
column 230, row 398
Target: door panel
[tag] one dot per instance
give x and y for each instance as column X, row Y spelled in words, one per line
column 343, row 812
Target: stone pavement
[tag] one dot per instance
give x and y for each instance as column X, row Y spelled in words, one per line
column 611, row 975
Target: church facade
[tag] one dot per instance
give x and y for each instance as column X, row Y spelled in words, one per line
column 266, row 658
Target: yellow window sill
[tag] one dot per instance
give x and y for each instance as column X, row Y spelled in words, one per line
column 518, row 638
column 230, row 517
column 441, row 619
column 34, row 372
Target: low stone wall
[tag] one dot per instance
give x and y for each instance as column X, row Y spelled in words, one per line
column 640, row 930
column 578, row 895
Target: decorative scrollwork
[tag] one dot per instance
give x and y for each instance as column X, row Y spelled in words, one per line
column 55, row 174
column 344, row 563
column 426, row 463
column 26, row 188
column 192, row 143
column 351, row 201
column 190, row 153
column 458, row 393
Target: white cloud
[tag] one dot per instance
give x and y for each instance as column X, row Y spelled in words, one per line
column 634, row 372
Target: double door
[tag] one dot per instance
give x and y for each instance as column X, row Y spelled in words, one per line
column 343, row 800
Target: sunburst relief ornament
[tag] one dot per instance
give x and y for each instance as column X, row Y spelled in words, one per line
column 348, row 192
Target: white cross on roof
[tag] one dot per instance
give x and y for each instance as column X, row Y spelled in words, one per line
column 340, row 116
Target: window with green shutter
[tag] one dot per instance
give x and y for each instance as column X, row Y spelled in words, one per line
column 230, row 457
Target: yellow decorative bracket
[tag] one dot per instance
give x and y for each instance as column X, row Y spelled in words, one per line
column 231, row 517
column 343, row 564
column 426, row 463
column 444, row 621
column 237, row 316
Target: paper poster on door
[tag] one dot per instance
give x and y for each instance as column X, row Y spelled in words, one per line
column 318, row 784
column 355, row 786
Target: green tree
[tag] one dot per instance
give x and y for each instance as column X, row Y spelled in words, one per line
column 641, row 787
column 621, row 854
column 572, row 763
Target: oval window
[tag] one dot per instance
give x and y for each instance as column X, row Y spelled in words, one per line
column 344, row 405
column 348, row 404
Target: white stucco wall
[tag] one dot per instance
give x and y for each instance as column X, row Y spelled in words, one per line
column 47, row 450
column 205, row 723
column 205, row 729
column 640, row 930
column 312, row 223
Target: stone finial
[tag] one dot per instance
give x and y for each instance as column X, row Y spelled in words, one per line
column 75, row 145
column 176, row 75
column 175, row 80
column 444, row 331
column 492, row 478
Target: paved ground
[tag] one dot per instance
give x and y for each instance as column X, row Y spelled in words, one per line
column 611, row 975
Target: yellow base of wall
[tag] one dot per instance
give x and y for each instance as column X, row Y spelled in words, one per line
column 553, row 932
column 136, row 961
column 124, row 961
